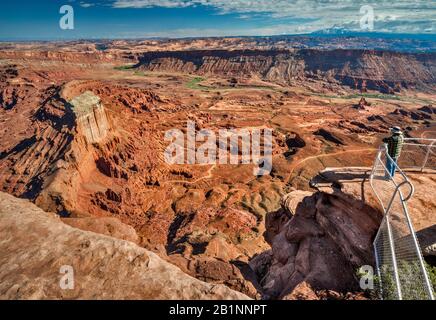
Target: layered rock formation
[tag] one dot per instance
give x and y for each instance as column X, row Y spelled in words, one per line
column 382, row 71
column 91, row 117
column 34, row 140
column 91, row 57
column 103, row 267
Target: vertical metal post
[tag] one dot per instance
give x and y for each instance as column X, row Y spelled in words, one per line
column 377, row 263
column 427, row 155
column 377, row 157
column 428, row 285
column 392, row 248
column 390, row 228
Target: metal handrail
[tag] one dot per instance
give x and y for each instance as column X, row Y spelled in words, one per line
column 398, row 169
column 429, row 146
column 386, row 212
column 421, row 139
column 418, row 250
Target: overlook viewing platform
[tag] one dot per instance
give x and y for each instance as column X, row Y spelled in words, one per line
column 408, row 229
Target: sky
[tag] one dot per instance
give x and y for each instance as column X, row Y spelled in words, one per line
column 39, row 19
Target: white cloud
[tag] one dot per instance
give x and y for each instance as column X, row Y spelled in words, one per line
column 152, row 3
column 86, row 5
column 391, row 16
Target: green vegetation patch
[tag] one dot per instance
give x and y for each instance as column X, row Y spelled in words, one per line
column 125, row 68
column 431, row 271
column 376, row 96
column 194, row 83
column 139, row 73
column 412, row 283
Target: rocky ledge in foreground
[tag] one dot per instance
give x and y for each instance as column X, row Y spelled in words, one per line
column 36, row 244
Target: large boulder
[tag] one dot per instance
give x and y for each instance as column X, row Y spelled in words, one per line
column 322, row 245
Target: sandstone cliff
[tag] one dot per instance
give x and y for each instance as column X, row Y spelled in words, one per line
column 104, row 267
column 360, row 69
column 89, row 57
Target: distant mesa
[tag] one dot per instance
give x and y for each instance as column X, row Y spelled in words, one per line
column 357, row 69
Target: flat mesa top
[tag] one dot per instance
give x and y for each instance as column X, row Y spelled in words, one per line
column 85, row 102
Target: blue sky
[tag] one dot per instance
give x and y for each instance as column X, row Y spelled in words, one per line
column 39, row 19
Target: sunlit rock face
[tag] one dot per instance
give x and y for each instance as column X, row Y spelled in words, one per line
column 386, row 72
column 91, row 117
column 102, row 267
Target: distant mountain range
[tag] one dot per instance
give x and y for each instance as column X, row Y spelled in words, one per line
column 335, row 32
column 329, row 39
column 343, row 39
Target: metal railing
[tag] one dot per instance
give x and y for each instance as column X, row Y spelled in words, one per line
column 418, row 154
column 400, row 266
